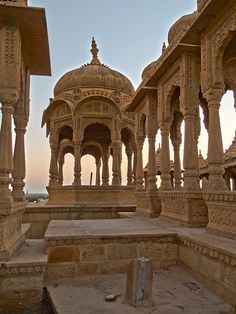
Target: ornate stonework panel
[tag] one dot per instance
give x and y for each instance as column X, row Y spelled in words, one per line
column 97, row 107
column 61, row 111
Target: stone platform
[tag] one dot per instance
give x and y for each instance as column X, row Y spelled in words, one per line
column 175, row 291
column 40, row 214
column 21, row 279
column 87, row 247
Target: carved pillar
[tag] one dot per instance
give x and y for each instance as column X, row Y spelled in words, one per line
column 234, row 184
column 6, row 161
column 191, row 177
column 177, row 166
column 98, row 166
column 18, row 173
column 165, row 158
column 215, row 145
column 60, row 170
column 116, row 164
column 227, row 180
column 139, row 173
column 134, row 166
column 77, row 168
column 105, row 170
column 129, row 166
column 53, row 170
column 151, row 162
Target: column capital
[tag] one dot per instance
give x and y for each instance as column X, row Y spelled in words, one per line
column 213, row 97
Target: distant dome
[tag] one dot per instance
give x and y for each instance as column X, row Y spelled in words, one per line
column 94, row 75
column 181, row 26
column 149, row 70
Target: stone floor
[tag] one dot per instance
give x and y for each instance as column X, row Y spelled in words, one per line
column 174, row 291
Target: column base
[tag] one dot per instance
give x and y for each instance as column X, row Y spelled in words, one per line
column 10, row 229
column 148, row 203
column 186, row 207
column 222, row 213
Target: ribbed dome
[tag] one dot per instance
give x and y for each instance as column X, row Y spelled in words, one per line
column 94, row 75
column 181, row 26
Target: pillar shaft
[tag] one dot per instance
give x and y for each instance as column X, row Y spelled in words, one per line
column 191, row 178
column 98, row 166
column 139, row 170
column 18, row 174
column 151, row 163
column 77, row 166
column 134, row 167
column 177, row 167
column 129, row 168
column 105, row 171
column 6, row 160
column 215, row 145
column 116, row 165
column 53, row 171
column 60, row 171
column 165, row 159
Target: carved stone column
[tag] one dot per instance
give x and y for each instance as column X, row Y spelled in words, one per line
column 134, row 167
column 105, row 170
column 165, row 158
column 139, row 173
column 98, row 166
column 60, row 170
column 215, row 145
column 234, row 184
column 227, row 180
column 151, row 186
column 177, row 166
column 191, row 177
column 116, row 164
column 53, row 170
column 129, row 166
column 77, row 167
column 18, row 173
column 6, row 161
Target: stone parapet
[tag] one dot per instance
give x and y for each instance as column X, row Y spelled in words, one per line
column 148, row 203
column 222, row 213
column 21, row 279
column 11, row 236
column 187, row 207
column 212, row 260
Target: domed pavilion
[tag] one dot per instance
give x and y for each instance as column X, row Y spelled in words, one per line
column 87, row 116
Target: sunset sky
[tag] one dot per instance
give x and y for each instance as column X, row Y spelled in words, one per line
column 129, row 34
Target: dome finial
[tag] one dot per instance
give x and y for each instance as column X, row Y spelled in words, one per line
column 94, row 52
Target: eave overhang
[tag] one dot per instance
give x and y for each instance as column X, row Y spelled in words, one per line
column 33, row 28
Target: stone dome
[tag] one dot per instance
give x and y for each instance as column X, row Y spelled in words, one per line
column 94, row 75
column 181, row 26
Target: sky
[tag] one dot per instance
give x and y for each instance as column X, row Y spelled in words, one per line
column 129, row 35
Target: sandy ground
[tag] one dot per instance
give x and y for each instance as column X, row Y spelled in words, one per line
column 174, row 291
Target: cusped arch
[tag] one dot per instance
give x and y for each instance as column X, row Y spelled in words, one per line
column 47, row 113
column 98, row 105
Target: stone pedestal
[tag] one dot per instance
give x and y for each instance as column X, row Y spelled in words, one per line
column 148, row 203
column 222, row 213
column 11, row 237
column 186, row 207
column 139, row 282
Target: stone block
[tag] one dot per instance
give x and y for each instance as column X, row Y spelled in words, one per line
column 210, row 267
column 61, row 270
column 230, row 277
column 139, row 282
column 22, row 283
column 62, row 254
column 188, row 257
column 92, row 252
column 87, row 268
column 121, row 251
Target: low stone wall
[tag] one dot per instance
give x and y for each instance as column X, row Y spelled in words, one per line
column 39, row 216
column 21, row 279
column 148, row 203
column 188, row 208
column 107, row 255
column 212, row 261
column 106, row 195
column 222, row 213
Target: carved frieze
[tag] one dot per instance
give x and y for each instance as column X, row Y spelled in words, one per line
column 61, row 110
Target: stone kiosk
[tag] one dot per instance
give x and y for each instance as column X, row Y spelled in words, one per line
column 23, row 52
column 87, row 116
